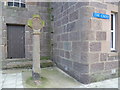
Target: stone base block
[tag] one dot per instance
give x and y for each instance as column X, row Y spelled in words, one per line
column 36, row 76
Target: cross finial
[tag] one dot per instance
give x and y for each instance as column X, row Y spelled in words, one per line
column 36, row 23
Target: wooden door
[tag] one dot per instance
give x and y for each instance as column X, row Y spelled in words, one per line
column 16, row 41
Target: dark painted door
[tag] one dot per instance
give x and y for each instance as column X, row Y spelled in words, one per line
column 16, row 41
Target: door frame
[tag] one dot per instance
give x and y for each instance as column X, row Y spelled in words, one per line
column 7, row 39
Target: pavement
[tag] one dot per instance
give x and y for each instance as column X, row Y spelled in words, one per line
column 111, row 83
column 15, row 80
column 12, row 81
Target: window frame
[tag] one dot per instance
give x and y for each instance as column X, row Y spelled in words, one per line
column 113, row 42
column 19, row 3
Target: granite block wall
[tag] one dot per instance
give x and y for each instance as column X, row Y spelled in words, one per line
column 1, row 49
column 81, row 43
column 19, row 16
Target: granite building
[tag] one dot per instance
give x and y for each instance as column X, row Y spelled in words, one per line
column 81, row 38
column 85, row 46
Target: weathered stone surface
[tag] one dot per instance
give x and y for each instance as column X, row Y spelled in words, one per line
column 84, row 58
column 58, row 38
column 36, row 76
column 71, row 9
column 96, row 24
column 74, row 36
column 37, row 23
column 61, row 8
column 55, row 45
column 28, row 39
column 43, row 4
column 71, row 27
column 111, row 65
column 67, row 64
column 103, row 57
column 95, row 46
column 98, row 5
column 4, row 33
column 80, row 46
column 1, row 46
column 76, row 47
column 89, row 52
column 61, row 52
column 64, row 29
column 32, row 3
column 89, row 57
column 75, row 56
column 101, row 36
column 71, row 3
column 84, row 78
column 65, row 20
column 65, row 13
column 67, row 55
column 112, row 58
column 59, row 16
column 86, row 25
column 82, row 68
column 58, row 23
column 73, row 16
column 88, row 35
column 28, row 55
column 4, row 41
column 86, row 12
column 58, row 11
column 80, row 4
column 97, row 67
column 46, row 29
column 45, row 53
column 36, row 54
column 60, row 45
column 84, row 46
column 93, row 57
column 100, row 10
column 21, row 15
column 67, row 46
column 64, row 37
column 65, row 6
column 30, row 48
column 105, row 46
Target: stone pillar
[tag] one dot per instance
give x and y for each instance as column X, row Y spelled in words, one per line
column 36, row 56
column 36, row 24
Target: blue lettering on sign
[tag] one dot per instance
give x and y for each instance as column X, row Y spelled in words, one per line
column 100, row 15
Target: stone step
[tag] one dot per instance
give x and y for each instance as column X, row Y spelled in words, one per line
column 23, row 63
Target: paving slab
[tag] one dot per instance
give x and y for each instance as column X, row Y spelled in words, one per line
column 13, row 80
column 111, row 83
column 56, row 78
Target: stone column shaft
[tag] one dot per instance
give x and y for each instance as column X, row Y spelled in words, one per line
column 36, row 23
column 36, row 57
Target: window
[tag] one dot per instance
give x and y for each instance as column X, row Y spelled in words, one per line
column 17, row 3
column 113, row 24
